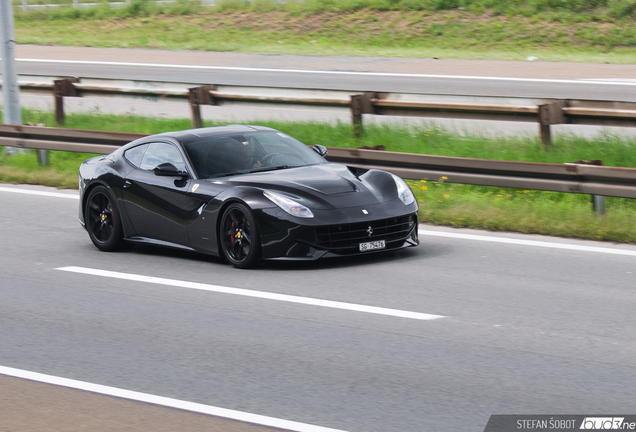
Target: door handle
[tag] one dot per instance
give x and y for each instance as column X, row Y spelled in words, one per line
column 127, row 184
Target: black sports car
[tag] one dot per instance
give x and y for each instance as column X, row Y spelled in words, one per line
column 245, row 193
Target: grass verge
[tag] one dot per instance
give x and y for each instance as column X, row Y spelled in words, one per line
column 491, row 208
column 500, row 30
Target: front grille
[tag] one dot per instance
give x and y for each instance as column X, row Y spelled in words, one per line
column 351, row 235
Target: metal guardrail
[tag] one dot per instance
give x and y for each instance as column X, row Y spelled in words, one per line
column 570, row 178
column 73, row 140
column 545, row 111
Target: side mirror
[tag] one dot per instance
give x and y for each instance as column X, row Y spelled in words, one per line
column 168, row 170
column 321, row 150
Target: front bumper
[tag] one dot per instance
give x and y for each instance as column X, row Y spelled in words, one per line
column 286, row 240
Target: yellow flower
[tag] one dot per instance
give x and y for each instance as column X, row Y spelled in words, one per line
column 446, row 196
column 424, row 188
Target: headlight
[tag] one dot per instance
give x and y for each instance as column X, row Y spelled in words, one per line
column 404, row 191
column 290, row 206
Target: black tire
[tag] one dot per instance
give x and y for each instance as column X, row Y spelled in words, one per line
column 239, row 238
column 102, row 220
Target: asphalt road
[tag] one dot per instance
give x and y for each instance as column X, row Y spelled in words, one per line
column 530, row 325
column 438, row 76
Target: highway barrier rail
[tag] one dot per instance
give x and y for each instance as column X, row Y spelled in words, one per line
column 571, row 178
column 545, row 112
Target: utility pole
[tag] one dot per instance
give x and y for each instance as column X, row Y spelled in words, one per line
column 10, row 88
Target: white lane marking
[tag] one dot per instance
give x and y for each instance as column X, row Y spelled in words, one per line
column 323, row 72
column 257, row 294
column 43, row 193
column 529, row 243
column 164, row 401
column 623, row 80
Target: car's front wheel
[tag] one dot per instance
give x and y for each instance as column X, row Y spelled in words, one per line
column 102, row 220
column 240, row 241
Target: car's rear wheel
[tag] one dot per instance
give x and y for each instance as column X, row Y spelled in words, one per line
column 240, row 242
column 102, row 220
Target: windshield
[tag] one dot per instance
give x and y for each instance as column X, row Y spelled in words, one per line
column 248, row 152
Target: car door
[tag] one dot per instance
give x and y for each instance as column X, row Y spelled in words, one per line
column 159, row 207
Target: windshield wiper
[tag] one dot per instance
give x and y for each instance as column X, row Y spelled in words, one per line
column 227, row 174
column 273, row 168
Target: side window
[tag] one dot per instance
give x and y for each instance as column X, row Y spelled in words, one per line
column 136, row 154
column 158, row 153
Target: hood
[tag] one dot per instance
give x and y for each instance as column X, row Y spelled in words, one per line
column 319, row 179
column 328, row 184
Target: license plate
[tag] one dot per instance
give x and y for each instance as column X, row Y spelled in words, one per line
column 371, row 246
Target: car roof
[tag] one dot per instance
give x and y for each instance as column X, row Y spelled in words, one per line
column 189, row 135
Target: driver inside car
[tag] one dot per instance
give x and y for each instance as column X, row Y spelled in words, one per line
column 248, row 153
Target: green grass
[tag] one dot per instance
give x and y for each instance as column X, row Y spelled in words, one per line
column 590, row 9
column 495, row 29
column 442, row 203
column 525, row 211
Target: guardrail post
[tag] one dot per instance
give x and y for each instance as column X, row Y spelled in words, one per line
column 61, row 88
column 43, row 155
column 199, row 96
column 598, row 204
column 361, row 104
column 550, row 114
column 598, row 201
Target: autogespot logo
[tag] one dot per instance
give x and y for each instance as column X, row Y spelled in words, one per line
column 606, row 423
